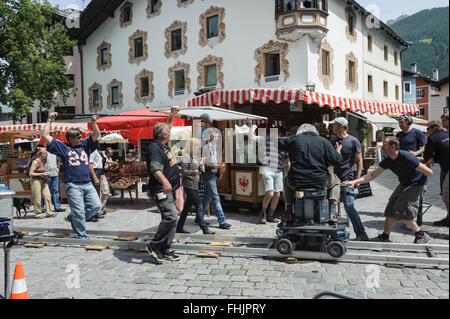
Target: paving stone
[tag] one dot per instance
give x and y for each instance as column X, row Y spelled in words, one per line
column 443, row 285
column 177, row 289
column 197, row 283
column 438, row 292
column 428, row 284
column 182, row 296
column 231, row 291
column 238, row 278
column 257, row 278
column 210, row 291
column 241, row 284
column 194, row 290
column 253, row 292
column 221, row 278
column 408, row 283
column 163, row 295
column 220, row 284
column 437, row 278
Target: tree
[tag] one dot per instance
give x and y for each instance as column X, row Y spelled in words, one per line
column 32, row 50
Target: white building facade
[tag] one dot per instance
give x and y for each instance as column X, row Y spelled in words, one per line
column 157, row 53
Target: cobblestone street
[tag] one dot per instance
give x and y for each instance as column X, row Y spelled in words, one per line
column 116, row 273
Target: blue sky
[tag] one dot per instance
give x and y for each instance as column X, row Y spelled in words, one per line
column 388, row 9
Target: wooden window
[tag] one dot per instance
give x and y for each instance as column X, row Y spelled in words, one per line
column 138, row 47
column 272, row 64
column 180, row 81
column 126, row 14
column 325, row 62
column 385, row 88
column 369, row 43
column 115, row 95
column 211, row 75
column 408, row 87
column 351, row 24
column 176, row 40
column 396, row 57
column 421, row 111
column 324, row 5
column 420, row 93
column 145, row 87
column 104, row 56
column 154, row 6
column 213, row 26
column 351, row 72
column 386, row 53
column 397, row 92
column 370, row 84
column 96, row 97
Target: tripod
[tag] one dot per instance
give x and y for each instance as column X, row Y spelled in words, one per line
column 8, row 241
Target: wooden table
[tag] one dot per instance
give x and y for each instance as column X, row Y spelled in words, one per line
column 134, row 187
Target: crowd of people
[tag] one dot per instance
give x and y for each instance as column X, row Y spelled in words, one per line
column 302, row 159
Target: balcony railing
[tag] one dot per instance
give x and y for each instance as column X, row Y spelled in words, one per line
column 285, row 6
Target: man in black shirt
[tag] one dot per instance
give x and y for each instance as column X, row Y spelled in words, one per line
column 310, row 155
column 164, row 180
column 436, row 151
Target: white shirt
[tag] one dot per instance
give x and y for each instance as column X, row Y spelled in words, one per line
column 96, row 160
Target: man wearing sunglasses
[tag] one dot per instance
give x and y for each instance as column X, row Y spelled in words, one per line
column 83, row 200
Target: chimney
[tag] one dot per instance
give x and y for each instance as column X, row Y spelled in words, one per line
column 436, row 74
column 414, row 67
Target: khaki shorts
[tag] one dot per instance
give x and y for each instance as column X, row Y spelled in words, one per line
column 404, row 202
column 445, row 188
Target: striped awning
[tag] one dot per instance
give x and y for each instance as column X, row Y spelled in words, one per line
column 259, row 122
column 33, row 131
column 278, row 96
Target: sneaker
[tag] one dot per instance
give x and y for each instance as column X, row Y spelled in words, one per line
column 272, row 219
column 41, row 216
column 209, row 232
column 380, row 238
column 442, row 223
column 50, row 215
column 362, row 238
column 155, row 253
column 422, row 239
column 60, row 210
column 170, row 256
column 94, row 219
column 182, row 231
column 225, row 226
column 262, row 218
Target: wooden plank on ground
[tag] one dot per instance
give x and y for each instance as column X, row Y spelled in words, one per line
column 34, row 245
column 59, row 235
column 125, row 238
column 97, row 248
column 207, row 254
column 221, row 243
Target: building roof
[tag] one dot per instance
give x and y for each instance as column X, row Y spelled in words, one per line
column 426, row 78
column 92, row 17
column 441, row 82
column 99, row 10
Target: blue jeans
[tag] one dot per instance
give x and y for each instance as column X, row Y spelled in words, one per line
column 349, row 205
column 53, row 184
column 211, row 193
column 84, row 203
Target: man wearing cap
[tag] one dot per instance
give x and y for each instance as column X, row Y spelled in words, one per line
column 411, row 139
column 351, row 154
column 436, row 151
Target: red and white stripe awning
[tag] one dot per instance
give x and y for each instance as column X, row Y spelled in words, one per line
column 33, row 131
column 292, row 96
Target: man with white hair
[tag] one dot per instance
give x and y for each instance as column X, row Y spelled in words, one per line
column 310, row 155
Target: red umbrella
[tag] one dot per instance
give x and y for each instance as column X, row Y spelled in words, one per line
column 139, row 124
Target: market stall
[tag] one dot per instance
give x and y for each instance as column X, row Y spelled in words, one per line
column 135, row 127
column 13, row 170
column 286, row 108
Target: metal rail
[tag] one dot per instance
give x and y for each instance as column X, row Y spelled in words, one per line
column 190, row 242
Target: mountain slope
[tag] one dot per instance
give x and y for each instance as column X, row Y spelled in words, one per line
column 428, row 30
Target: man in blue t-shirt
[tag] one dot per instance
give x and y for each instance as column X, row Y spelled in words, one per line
column 83, row 200
column 404, row 202
column 411, row 140
column 351, row 154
